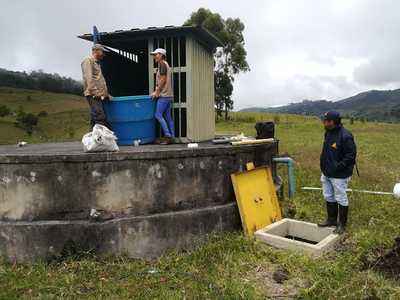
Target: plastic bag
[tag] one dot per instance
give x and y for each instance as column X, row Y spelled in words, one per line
column 101, row 139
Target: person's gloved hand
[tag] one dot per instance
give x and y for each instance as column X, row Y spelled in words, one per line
column 155, row 95
column 108, row 98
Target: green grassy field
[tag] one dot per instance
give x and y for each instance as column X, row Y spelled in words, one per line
column 67, row 116
column 229, row 266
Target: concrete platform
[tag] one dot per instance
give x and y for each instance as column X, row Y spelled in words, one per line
column 159, row 198
column 298, row 235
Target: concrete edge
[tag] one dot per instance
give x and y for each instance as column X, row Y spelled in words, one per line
column 277, row 241
column 270, row 237
column 116, row 220
column 41, row 158
column 144, row 237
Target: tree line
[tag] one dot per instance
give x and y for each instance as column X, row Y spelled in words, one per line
column 230, row 60
column 39, row 80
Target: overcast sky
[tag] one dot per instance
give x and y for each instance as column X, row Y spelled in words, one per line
column 300, row 49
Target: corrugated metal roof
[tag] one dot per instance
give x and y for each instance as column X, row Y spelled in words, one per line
column 118, row 37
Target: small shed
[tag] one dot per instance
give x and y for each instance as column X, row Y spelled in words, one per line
column 129, row 70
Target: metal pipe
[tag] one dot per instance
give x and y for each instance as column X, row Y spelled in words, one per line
column 307, row 188
column 96, row 36
column 291, row 177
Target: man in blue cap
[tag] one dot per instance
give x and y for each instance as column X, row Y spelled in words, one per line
column 337, row 162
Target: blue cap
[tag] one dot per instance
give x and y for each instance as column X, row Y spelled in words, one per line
column 331, row 116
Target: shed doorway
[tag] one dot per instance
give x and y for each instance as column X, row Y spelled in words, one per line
column 127, row 70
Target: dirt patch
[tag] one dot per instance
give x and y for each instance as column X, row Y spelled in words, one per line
column 280, row 275
column 275, row 282
column 388, row 263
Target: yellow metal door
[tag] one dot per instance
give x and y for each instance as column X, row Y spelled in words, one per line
column 256, row 198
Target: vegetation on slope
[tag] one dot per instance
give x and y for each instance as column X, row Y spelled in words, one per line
column 41, row 81
column 61, row 116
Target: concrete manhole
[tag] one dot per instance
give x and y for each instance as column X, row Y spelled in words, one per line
column 298, row 235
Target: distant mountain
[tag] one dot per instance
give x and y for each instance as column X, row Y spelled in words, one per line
column 371, row 105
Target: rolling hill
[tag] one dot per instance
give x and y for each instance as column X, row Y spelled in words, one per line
column 371, row 105
column 65, row 117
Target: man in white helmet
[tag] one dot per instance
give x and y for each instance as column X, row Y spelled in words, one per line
column 164, row 95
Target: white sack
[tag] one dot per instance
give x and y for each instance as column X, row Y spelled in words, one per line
column 101, row 139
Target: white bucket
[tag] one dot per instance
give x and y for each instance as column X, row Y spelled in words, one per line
column 396, row 190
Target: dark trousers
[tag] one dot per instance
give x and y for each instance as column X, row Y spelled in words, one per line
column 97, row 114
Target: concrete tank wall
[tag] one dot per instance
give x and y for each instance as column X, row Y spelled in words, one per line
column 158, row 199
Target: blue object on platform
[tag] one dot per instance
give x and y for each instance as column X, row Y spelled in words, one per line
column 132, row 118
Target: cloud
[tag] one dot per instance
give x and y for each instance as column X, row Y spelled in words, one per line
column 379, row 71
column 297, row 50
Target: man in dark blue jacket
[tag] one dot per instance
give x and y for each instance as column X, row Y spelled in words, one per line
column 337, row 162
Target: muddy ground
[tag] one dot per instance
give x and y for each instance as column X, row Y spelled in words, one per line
column 388, row 263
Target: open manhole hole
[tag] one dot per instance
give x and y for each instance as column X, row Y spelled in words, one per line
column 298, row 235
column 295, row 238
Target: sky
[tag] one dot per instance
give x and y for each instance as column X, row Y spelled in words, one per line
column 302, row 49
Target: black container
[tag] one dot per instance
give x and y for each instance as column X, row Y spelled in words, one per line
column 265, row 130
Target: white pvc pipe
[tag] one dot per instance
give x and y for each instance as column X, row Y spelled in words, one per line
column 395, row 193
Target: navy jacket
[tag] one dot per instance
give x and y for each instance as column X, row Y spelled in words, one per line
column 339, row 153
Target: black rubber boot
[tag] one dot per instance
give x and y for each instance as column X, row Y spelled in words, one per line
column 332, row 211
column 343, row 212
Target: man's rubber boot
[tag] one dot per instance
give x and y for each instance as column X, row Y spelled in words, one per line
column 332, row 211
column 341, row 227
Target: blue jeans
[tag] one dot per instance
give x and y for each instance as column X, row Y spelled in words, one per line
column 163, row 115
column 334, row 189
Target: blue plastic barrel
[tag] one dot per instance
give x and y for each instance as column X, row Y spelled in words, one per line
column 132, row 118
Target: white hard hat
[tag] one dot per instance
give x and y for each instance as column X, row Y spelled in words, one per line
column 159, row 50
